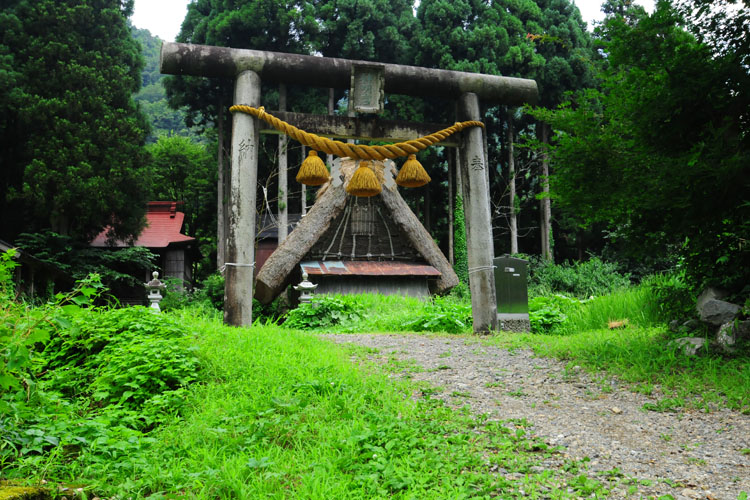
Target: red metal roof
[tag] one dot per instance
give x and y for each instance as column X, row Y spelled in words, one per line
column 367, row 268
column 163, row 226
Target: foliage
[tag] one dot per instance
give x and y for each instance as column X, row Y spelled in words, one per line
column 117, row 268
column 213, row 287
column 285, row 411
column 548, row 312
column 441, row 314
column 372, row 30
column 580, row 279
column 624, row 309
column 617, row 149
column 152, row 98
column 324, row 311
column 183, row 170
column 70, row 134
column 460, row 251
column 84, row 384
column 672, row 295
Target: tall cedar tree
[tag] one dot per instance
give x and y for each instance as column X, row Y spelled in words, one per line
column 662, row 168
column 71, row 136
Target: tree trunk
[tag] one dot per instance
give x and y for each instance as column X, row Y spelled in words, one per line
column 331, row 102
column 512, row 187
column 427, row 202
column 303, row 189
column 283, row 167
column 545, row 207
column 451, row 169
column 221, row 190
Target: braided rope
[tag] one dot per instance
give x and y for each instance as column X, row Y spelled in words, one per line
column 355, row 151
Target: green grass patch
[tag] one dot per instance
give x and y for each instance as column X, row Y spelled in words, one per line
column 644, row 357
column 381, row 313
column 269, row 413
column 625, row 307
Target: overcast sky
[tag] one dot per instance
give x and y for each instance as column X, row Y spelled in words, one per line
column 164, row 17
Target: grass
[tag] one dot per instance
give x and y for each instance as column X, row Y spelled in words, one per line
column 632, row 306
column 283, row 414
column 643, row 357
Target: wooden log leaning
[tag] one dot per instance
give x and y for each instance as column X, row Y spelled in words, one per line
column 420, row 239
column 273, row 275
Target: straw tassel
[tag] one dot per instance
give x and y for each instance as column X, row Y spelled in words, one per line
column 412, row 173
column 364, row 182
column 313, row 171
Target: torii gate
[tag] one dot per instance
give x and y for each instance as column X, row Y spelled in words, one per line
column 247, row 67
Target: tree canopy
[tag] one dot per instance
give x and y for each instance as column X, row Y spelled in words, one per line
column 662, row 168
column 72, row 137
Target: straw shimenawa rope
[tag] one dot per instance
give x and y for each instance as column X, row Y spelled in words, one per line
column 355, row 151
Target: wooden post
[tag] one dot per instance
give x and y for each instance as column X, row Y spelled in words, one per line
column 512, row 186
column 476, row 197
column 240, row 256
column 283, row 167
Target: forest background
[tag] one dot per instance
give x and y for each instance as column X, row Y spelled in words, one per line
column 638, row 152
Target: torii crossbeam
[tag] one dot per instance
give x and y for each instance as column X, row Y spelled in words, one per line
column 247, row 67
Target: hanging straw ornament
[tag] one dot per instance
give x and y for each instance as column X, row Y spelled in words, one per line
column 364, row 182
column 412, row 173
column 313, row 171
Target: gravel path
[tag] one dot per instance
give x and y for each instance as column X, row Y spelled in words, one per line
column 689, row 454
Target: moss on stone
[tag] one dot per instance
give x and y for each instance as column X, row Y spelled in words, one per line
column 8, row 492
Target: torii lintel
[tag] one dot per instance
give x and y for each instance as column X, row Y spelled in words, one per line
column 330, row 72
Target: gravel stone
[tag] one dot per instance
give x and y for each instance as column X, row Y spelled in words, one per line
column 686, row 454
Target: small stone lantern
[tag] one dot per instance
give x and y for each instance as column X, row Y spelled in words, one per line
column 305, row 289
column 154, row 291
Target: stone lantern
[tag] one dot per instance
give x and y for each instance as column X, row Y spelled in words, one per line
column 154, row 291
column 305, row 289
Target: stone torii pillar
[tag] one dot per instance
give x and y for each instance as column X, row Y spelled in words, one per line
column 247, row 67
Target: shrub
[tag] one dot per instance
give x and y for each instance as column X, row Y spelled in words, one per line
column 441, row 314
column 580, row 279
column 323, row 311
column 674, row 297
column 213, row 288
column 87, row 380
column 547, row 313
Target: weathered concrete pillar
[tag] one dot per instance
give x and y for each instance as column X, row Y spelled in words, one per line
column 240, row 257
column 476, row 197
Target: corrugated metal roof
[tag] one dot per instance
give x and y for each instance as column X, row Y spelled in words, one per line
column 367, row 268
column 163, row 226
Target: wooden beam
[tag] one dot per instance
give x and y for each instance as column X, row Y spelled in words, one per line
column 273, row 275
column 369, row 128
column 278, row 67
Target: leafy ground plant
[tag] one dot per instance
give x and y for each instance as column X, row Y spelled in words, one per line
column 90, row 382
column 286, row 415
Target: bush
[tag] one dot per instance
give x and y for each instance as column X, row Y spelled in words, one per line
column 441, row 314
column 324, row 311
column 86, row 380
column 673, row 296
column 580, row 279
column 547, row 313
